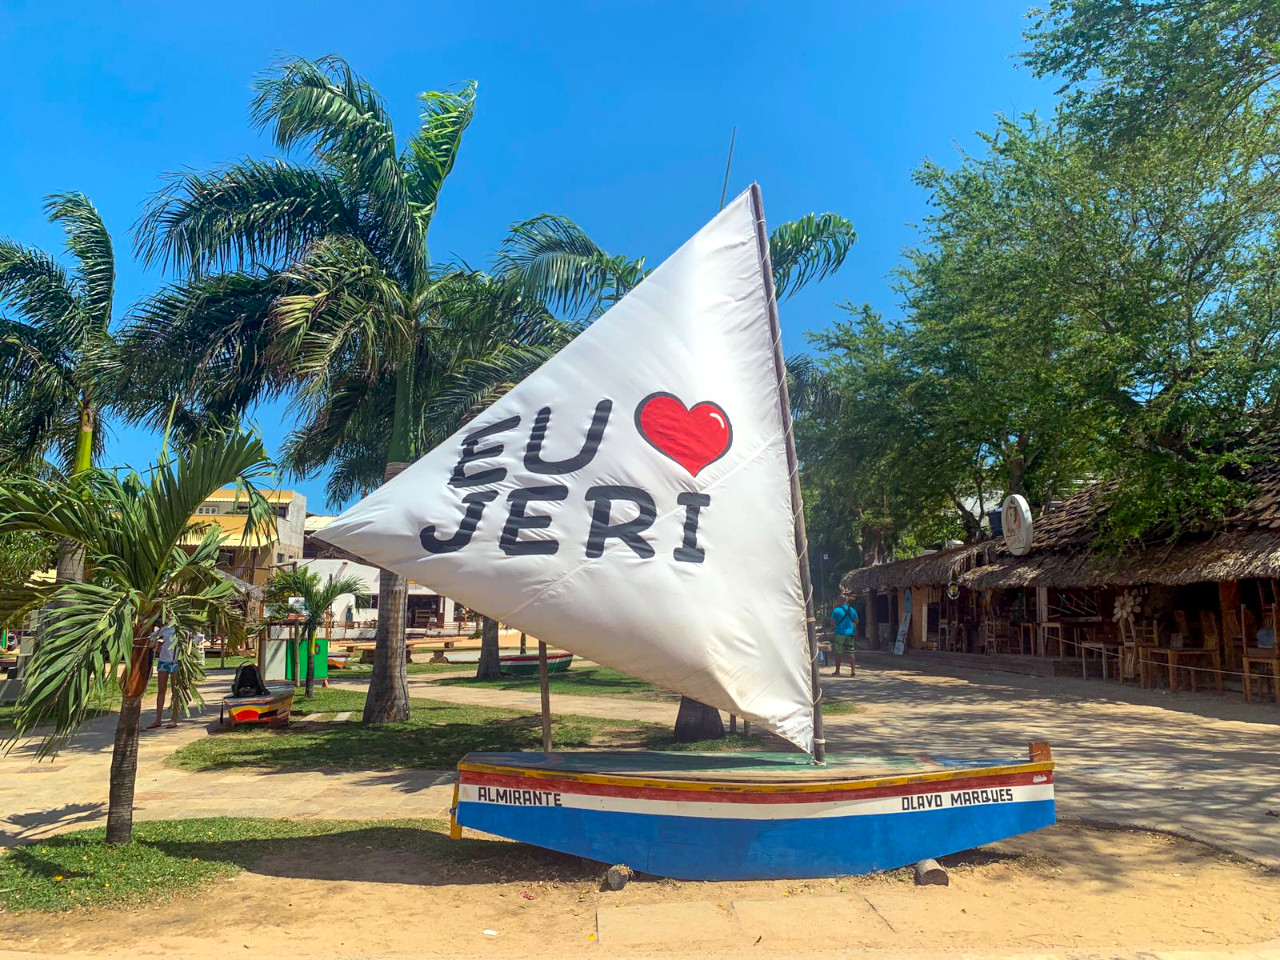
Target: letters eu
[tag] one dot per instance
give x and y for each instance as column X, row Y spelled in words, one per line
column 607, row 502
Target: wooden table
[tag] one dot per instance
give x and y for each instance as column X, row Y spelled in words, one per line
column 1026, row 637
column 1057, row 630
column 1149, row 655
column 1104, row 647
column 1177, row 657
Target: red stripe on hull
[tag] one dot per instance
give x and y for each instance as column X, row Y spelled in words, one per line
column 715, row 796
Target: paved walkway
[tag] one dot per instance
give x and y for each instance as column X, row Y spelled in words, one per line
column 39, row 799
column 1201, row 765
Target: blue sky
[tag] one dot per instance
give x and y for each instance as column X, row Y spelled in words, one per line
column 615, row 114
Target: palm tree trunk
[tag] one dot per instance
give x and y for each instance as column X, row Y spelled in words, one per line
column 489, row 667
column 124, row 754
column 124, row 772
column 84, row 440
column 388, row 699
column 70, row 562
column 70, row 553
column 311, row 664
column 697, row 721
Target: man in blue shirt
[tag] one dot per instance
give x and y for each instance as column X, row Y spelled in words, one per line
column 846, row 621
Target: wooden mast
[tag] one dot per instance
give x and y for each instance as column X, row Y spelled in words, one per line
column 544, row 688
column 797, row 500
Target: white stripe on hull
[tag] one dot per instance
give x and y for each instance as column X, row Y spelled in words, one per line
column 909, row 803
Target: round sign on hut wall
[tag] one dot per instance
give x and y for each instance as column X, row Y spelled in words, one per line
column 1016, row 519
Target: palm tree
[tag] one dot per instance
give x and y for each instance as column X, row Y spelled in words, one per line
column 139, row 575
column 552, row 260
column 317, row 597
column 53, row 384
column 335, row 249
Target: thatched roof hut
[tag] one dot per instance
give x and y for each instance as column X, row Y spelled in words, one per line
column 1062, row 556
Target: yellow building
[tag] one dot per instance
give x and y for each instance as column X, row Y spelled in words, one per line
column 253, row 558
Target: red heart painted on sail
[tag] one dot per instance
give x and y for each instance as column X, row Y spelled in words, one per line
column 691, row 436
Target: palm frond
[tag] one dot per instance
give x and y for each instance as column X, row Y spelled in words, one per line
column 430, row 156
column 74, row 663
column 552, row 260
column 139, row 574
column 90, row 243
column 249, row 214
column 808, row 249
column 34, row 362
column 38, row 288
column 209, row 342
column 476, row 385
column 325, row 107
column 810, row 388
column 317, row 594
column 344, row 312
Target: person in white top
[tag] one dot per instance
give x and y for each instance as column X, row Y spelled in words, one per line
column 166, row 642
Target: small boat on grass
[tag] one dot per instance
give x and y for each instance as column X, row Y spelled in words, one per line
column 526, row 664
column 254, row 701
column 760, row 816
column 636, row 500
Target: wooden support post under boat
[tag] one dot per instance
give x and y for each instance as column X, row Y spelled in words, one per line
column 545, row 686
column 793, row 468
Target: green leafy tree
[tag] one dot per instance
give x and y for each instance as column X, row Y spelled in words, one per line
column 1065, row 320
column 54, row 335
column 318, row 595
column 138, row 575
column 1138, row 68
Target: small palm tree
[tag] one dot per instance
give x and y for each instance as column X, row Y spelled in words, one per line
column 318, row 595
column 138, row 575
column 53, row 382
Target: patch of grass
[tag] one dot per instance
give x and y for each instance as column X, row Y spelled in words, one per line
column 661, row 739
column 359, row 671
column 435, row 737
column 836, row 708
column 172, row 858
column 580, row 681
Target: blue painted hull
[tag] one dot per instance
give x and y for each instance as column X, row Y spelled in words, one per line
column 690, row 848
column 749, row 825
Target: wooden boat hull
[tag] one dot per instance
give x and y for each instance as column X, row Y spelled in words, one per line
column 751, row 817
column 526, row 664
column 274, row 708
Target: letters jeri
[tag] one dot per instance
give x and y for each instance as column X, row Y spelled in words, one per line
column 483, row 445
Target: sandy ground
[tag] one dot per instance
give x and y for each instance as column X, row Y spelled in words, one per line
column 1068, row 888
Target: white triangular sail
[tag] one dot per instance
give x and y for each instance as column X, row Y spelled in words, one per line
column 630, row 500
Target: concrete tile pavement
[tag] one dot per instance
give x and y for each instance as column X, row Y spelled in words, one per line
column 1202, row 765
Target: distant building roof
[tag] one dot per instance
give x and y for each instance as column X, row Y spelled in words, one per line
column 232, row 524
column 317, row 521
column 229, row 494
